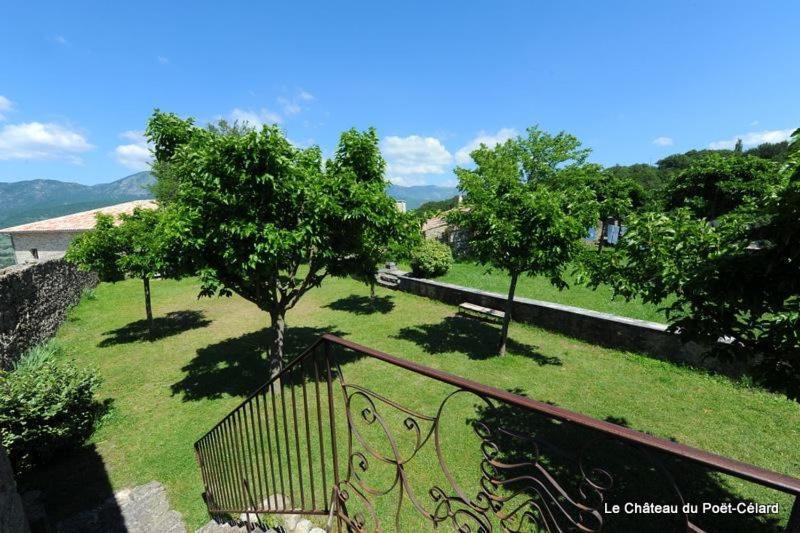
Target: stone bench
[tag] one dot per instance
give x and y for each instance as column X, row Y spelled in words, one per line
column 483, row 312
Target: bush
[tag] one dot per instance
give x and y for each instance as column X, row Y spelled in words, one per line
column 431, row 258
column 47, row 406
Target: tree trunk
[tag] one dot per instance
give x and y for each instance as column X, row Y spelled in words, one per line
column 148, row 309
column 509, row 308
column 372, row 291
column 278, row 331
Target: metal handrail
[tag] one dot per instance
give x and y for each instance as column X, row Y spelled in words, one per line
column 222, row 438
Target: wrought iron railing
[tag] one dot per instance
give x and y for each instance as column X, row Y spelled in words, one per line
column 313, row 442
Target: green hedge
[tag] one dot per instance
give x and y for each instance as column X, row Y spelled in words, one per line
column 430, row 259
column 47, row 405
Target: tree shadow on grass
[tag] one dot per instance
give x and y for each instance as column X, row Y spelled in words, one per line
column 172, row 323
column 363, row 305
column 563, row 449
column 238, row 366
column 475, row 338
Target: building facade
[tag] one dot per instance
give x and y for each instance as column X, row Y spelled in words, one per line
column 49, row 239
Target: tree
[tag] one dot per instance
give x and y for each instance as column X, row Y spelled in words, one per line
column 715, row 184
column 521, row 216
column 134, row 248
column 736, row 278
column 262, row 218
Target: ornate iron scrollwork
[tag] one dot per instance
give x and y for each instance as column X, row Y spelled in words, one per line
column 514, row 497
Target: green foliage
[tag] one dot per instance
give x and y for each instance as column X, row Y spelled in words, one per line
column 98, row 250
column 6, row 252
column 527, row 206
column 714, row 184
column 167, row 132
column 431, row 258
column 47, row 406
column 140, row 246
column 644, row 184
column 738, row 278
column 519, row 213
column 250, row 208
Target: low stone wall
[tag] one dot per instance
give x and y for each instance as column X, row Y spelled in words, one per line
column 34, row 299
column 604, row 329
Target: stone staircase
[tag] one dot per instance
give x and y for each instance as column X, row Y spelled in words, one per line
column 146, row 509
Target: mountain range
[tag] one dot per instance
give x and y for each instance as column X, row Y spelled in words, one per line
column 28, row 201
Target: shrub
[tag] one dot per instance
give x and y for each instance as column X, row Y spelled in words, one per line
column 431, row 258
column 47, row 406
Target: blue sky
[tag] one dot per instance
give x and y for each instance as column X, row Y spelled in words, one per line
column 633, row 80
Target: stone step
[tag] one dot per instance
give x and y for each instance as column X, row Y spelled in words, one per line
column 142, row 509
column 290, row 523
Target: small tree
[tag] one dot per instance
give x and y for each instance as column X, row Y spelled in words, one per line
column 269, row 221
column 521, row 216
column 135, row 248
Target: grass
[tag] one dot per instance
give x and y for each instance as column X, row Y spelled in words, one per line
column 168, row 392
column 540, row 288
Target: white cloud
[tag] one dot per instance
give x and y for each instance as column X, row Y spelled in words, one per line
column 5, row 106
column 255, row 119
column 305, row 96
column 289, row 107
column 36, row 140
column 663, row 141
column 163, row 60
column 135, row 155
column 415, row 155
column 60, row 39
column 753, row 138
column 489, row 139
column 407, row 182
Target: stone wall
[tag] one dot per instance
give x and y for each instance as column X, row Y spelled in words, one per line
column 604, row 329
column 34, row 299
column 12, row 514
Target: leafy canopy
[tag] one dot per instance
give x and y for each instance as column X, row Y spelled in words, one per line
column 528, row 203
column 137, row 247
column 261, row 217
column 735, row 278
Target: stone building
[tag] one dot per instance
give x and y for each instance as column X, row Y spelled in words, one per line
column 49, row 239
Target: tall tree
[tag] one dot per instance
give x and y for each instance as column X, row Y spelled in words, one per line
column 521, row 216
column 736, row 278
column 267, row 220
column 134, row 248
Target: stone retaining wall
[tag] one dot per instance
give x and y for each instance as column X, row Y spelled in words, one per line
column 604, row 329
column 34, row 299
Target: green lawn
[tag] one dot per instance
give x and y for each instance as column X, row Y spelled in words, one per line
column 167, row 393
column 540, row 288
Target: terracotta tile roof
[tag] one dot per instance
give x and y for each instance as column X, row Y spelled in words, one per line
column 78, row 221
column 433, row 223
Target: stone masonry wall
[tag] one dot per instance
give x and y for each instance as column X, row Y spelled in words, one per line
column 604, row 329
column 34, row 299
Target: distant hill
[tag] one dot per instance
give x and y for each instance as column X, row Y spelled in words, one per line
column 28, row 201
column 417, row 195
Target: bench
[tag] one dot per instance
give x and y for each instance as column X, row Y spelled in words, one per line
column 485, row 312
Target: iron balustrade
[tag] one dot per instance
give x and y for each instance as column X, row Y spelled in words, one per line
column 308, row 441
